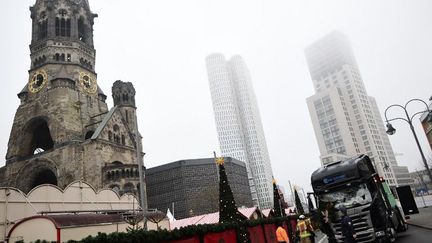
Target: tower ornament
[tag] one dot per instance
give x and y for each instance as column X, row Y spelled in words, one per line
column 37, row 81
column 220, row 160
column 87, row 82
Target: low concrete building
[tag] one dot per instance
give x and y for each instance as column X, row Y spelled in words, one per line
column 47, row 212
column 421, row 182
column 191, row 187
column 65, row 227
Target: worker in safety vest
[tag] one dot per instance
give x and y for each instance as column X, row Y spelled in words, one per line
column 281, row 234
column 304, row 229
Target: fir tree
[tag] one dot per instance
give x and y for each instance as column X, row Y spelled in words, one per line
column 298, row 203
column 277, row 207
column 227, row 207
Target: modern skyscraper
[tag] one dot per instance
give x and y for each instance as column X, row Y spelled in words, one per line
column 346, row 120
column 238, row 123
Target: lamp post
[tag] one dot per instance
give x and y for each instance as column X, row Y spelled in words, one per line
column 391, row 130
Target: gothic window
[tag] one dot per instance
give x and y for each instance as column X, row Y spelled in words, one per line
column 57, row 57
column 62, row 57
column 62, row 24
column 116, row 128
column 68, row 57
column 81, row 30
column 123, row 140
column 43, row 26
column 125, row 97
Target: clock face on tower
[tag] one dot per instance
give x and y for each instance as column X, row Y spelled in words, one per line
column 37, row 81
column 88, row 82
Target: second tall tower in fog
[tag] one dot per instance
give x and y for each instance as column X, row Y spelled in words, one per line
column 238, row 123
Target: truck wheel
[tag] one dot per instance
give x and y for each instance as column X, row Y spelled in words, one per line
column 391, row 235
column 403, row 226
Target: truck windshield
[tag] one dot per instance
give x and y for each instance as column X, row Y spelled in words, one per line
column 348, row 197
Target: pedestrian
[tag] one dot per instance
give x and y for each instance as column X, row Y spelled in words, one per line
column 326, row 224
column 281, row 234
column 304, row 229
column 311, row 231
column 347, row 227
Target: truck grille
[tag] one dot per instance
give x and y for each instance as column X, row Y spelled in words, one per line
column 362, row 225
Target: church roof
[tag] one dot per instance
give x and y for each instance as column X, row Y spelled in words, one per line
column 99, row 91
column 103, row 123
column 24, row 90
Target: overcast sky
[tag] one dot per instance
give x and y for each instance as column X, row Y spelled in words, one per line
column 160, row 46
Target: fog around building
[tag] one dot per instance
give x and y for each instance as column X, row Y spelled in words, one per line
column 161, row 47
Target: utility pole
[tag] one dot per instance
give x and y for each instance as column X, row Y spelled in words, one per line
column 143, row 189
column 425, row 186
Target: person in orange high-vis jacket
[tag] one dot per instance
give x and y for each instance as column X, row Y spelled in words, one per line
column 281, row 234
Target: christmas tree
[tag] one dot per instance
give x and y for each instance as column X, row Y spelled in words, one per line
column 298, row 203
column 277, row 207
column 227, row 207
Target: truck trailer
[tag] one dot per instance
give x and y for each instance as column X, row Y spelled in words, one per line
column 355, row 185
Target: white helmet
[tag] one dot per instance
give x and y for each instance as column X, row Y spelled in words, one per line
column 302, row 217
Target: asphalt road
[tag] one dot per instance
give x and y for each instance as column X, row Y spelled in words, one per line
column 412, row 235
column 415, row 235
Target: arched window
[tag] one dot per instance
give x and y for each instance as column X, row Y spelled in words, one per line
column 117, row 163
column 62, row 24
column 123, row 140
column 43, row 26
column 128, row 187
column 81, row 30
column 116, row 128
column 36, row 138
column 45, row 176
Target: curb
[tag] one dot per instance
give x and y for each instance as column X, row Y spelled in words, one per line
column 420, row 226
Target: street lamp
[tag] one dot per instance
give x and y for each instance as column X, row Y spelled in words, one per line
column 391, row 130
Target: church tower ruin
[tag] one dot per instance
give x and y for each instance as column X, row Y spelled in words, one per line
column 63, row 130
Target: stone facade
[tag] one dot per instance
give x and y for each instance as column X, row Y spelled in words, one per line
column 191, row 187
column 63, row 130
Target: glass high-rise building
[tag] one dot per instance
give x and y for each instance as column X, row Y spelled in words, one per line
column 238, row 123
column 345, row 118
